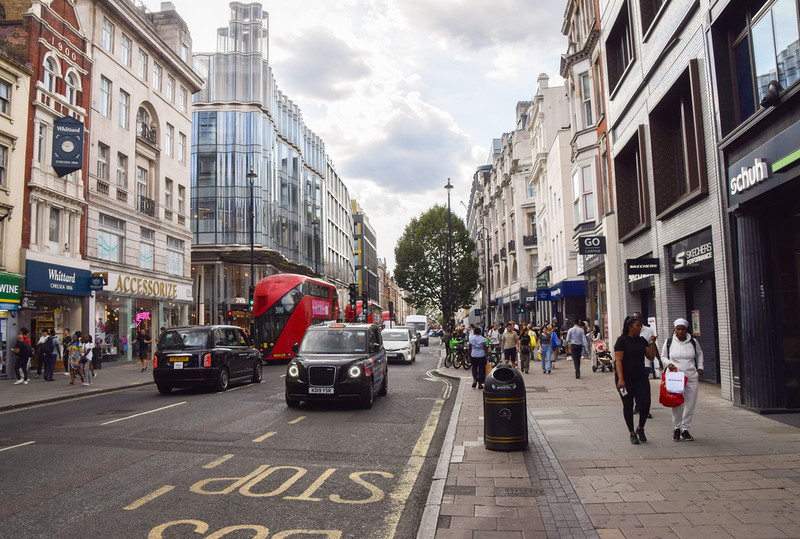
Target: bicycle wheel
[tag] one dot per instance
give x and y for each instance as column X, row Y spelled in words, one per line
column 457, row 360
column 448, row 359
column 467, row 362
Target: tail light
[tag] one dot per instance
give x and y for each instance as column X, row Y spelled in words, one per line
column 155, row 361
column 207, row 360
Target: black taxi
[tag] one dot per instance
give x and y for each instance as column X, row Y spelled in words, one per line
column 338, row 362
column 211, row 356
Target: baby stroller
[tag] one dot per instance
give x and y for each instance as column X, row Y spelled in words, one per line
column 601, row 357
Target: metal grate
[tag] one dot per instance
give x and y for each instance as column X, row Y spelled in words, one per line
column 321, row 376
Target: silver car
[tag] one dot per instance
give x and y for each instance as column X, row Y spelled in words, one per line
column 398, row 345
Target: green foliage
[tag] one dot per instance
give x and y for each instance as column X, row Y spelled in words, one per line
column 421, row 258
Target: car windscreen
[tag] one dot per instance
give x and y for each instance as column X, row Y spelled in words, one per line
column 395, row 335
column 419, row 326
column 183, row 339
column 334, row 341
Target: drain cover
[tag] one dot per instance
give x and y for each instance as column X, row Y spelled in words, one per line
column 518, row 491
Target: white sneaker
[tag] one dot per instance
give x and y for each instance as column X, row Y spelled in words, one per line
column 86, row 384
column 66, row 374
column 18, row 382
column 25, row 382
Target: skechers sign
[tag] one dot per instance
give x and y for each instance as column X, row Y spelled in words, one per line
column 749, row 177
column 692, row 256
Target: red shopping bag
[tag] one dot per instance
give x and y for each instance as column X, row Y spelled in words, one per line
column 670, row 400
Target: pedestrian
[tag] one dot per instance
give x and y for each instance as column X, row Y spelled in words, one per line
column 648, row 332
column 576, row 345
column 555, row 344
column 48, row 352
column 510, row 340
column 24, row 352
column 683, row 353
column 66, row 339
column 87, row 353
column 74, row 353
column 41, row 356
column 476, row 346
column 631, row 376
column 562, row 334
column 596, row 332
column 143, row 346
column 527, row 341
column 546, row 348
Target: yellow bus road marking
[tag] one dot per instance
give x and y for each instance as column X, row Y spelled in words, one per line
column 298, row 420
column 143, row 413
column 150, row 497
column 264, row 437
column 409, row 474
column 18, row 445
column 218, row 462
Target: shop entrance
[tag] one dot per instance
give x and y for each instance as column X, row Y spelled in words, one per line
column 701, row 304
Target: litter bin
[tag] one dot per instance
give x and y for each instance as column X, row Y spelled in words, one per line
column 505, row 422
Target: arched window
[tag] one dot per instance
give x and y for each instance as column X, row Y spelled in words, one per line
column 72, row 89
column 50, row 74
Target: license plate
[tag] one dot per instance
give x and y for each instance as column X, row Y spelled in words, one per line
column 179, row 358
column 322, row 390
column 177, row 365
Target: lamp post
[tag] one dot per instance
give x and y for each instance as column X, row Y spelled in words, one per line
column 251, row 176
column 449, row 301
column 315, row 224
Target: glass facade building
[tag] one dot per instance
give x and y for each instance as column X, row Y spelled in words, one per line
column 244, row 128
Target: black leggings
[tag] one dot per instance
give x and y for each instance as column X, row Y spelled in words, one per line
column 640, row 389
column 479, row 369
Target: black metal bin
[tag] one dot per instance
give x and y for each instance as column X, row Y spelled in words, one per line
column 505, row 422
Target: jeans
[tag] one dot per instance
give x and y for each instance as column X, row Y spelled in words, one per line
column 479, row 369
column 547, row 360
column 524, row 358
column 576, row 352
column 87, row 373
column 21, row 364
column 50, row 366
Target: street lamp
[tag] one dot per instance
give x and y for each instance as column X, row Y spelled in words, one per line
column 315, row 224
column 251, row 176
column 449, row 301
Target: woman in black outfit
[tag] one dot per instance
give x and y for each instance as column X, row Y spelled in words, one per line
column 631, row 376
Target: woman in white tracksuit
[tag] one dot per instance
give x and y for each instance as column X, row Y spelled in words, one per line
column 684, row 354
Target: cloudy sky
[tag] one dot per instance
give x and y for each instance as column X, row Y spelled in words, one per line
column 405, row 93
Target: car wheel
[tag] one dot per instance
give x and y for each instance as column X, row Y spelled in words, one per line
column 164, row 389
column 223, row 379
column 370, row 398
column 385, row 385
column 257, row 372
column 292, row 403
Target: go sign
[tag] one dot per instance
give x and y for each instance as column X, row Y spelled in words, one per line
column 592, row 245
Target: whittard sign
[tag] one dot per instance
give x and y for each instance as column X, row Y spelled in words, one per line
column 55, row 279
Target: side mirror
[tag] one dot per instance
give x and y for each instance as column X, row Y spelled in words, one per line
column 376, row 347
column 295, row 348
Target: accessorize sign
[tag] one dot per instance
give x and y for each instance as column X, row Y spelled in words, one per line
column 142, row 286
column 55, row 279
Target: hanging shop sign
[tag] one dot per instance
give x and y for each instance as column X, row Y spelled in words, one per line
column 592, row 245
column 55, row 279
column 643, row 266
column 11, row 289
column 692, row 256
column 67, row 145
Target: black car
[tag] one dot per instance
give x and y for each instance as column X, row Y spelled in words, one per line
column 211, row 356
column 338, row 362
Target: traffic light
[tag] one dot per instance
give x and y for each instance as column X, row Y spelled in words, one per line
column 252, row 296
column 353, row 296
column 521, row 308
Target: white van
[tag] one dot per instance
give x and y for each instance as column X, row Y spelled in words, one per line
column 420, row 323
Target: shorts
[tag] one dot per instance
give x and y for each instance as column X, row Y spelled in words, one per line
column 510, row 354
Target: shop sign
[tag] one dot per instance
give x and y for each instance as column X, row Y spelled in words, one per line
column 54, row 279
column 141, row 286
column 515, row 297
column 96, row 283
column 749, row 177
column 591, row 262
column 542, row 294
column 592, row 245
column 542, row 282
column 568, row 288
column 641, row 282
column 643, row 266
column 692, row 256
column 67, row 145
column 28, row 302
column 10, row 287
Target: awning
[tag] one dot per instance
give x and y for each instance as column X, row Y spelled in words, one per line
column 567, row 288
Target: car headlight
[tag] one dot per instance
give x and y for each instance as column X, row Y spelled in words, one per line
column 293, row 371
column 354, row 371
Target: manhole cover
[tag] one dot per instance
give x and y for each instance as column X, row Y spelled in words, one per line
column 116, row 412
column 518, row 491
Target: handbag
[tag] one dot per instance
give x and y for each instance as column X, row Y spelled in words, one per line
column 675, row 381
column 665, row 398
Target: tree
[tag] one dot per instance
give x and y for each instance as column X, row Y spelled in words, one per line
column 421, row 258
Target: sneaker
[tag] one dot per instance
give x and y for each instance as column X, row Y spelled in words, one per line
column 480, row 386
column 474, row 384
column 66, row 374
column 19, row 381
column 548, row 372
column 686, row 436
column 94, row 375
column 86, row 384
column 24, row 382
column 676, row 436
column 640, row 433
column 634, row 439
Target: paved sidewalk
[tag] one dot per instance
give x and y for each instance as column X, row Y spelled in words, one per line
column 581, row 477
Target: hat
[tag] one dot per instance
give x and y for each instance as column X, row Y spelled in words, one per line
column 682, row 322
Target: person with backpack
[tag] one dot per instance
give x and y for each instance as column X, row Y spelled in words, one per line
column 48, row 351
column 683, row 353
column 527, row 341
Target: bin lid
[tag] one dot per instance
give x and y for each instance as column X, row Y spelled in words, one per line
column 504, row 378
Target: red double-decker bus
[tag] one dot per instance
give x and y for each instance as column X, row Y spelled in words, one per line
column 374, row 313
column 284, row 306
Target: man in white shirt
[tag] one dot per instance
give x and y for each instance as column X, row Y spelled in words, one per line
column 648, row 332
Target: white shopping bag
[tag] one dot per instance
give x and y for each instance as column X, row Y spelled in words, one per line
column 675, row 381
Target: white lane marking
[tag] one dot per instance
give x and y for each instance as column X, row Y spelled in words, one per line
column 218, row 461
column 143, row 413
column 15, row 446
column 150, row 497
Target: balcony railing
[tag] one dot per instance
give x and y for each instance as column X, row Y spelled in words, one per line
column 147, row 206
column 512, row 246
column 168, row 215
column 181, row 220
column 503, row 253
column 102, row 188
column 496, row 259
column 530, row 241
column 148, row 134
column 122, row 196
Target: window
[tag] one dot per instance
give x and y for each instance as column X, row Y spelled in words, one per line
column 170, row 140
column 168, row 194
column 42, row 142
column 50, row 75
column 184, row 53
column 72, row 89
column 110, row 239
column 174, row 256
column 107, row 36
column 206, row 170
column 102, row 161
column 126, row 46
column 649, row 9
column 598, row 89
column 54, row 230
column 141, row 182
column 619, row 48
column 142, row 71
column 147, row 249
column 124, row 109
column 156, row 77
column 633, row 209
column 181, row 148
column 181, row 200
column 586, row 100
column 531, row 189
column 105, row 97
column 182, row 99
column 5, row 97
column 676, row 129
column 3, row 167
column 532, row 224
column 170, row 88
column 582, row 195
column 122, row 171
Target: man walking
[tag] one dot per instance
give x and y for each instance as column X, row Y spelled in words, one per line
column 576, row 343
column 24, row 352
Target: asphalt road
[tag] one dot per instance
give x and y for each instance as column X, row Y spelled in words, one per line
column 135, row 463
